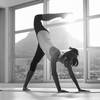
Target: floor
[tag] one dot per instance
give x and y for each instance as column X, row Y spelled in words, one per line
column 47, row 94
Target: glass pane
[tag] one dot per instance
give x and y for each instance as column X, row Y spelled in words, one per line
column 67, row 35
column 19, row 37
column 24, row 17
column 94, row 32
column 94, row 64
column 25, row 44
column 94, row 7
column 64, row 36
column 73, row 6
column 25, row 48
column 21, row 68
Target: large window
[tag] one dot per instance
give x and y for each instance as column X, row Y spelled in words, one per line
column 73, row 31
column 93, row 40
column 26, row 43
column 68, row 32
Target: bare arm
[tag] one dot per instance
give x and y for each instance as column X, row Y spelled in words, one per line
column 73, row 76
column 54, row 74
column 54, row 58
column 74, row 79
column 55, row 77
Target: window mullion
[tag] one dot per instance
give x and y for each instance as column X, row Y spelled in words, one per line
column 85, row 14
column 26, row 30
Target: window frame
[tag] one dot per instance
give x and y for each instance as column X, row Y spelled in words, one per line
column 46, row 10
column 86, row 18
column 89, row 48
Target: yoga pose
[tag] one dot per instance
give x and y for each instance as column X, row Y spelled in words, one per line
column 46, row 47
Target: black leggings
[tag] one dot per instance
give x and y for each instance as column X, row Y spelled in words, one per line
column 38, row 56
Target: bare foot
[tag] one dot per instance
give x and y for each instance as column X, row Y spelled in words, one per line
column 26, row 89
column 62, row 91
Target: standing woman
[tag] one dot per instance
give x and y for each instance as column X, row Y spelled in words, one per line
column 45, row 47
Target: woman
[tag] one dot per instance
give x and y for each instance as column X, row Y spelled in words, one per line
column 45, row 46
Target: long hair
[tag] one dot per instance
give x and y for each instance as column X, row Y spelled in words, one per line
column 71, row 57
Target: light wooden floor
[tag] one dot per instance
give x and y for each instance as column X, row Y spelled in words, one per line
column 47, row 94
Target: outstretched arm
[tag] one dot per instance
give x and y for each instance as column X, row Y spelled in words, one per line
column 54, row 58
column 68, row 65
column 55, row 76
column 72, row 75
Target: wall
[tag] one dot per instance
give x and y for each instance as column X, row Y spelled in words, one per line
column 9, row 3
column 2, row 44
column 16, row 2
column 3, row 3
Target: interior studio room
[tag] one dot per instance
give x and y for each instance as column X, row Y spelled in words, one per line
column 49, row 49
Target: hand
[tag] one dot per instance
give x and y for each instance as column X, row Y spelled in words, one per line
column 83, row 90
column 62, row 91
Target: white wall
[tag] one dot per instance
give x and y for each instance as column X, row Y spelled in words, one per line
column 9, row 3
column 3, row 3
column 16, row 2
column 2, row 46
